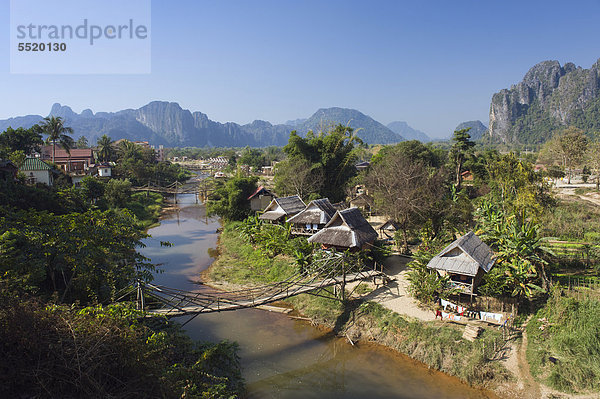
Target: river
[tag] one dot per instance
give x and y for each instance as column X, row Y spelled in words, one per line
column 282, row 357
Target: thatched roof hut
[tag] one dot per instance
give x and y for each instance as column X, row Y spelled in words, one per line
column 312, row 218
column 280, row 208
column 388, row 229
column 347, row 229
column 465, row 261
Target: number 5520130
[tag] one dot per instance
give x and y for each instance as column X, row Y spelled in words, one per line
column 42, row 46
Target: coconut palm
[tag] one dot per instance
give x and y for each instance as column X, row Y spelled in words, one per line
column 56, row 130
column 129, row 150
column 105, row 148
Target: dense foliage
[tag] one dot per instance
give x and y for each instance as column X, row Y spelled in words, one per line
column 102, row 352
column 328, row 157
column 230, row 199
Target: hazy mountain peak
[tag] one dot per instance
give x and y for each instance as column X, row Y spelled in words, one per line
column 368, row 129
column 402, row 128
column 62, row 111
column 478, row 129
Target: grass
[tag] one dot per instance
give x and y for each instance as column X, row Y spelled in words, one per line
column 240, row 263
column 571, row 220
column 568, row 330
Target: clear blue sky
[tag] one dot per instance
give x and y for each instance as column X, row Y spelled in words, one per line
column 433, row 64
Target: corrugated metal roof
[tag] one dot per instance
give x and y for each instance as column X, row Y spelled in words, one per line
column 464, row 256
column 317, row 212
column 33, row 164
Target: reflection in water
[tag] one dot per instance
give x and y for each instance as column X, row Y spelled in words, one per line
column 281, row 357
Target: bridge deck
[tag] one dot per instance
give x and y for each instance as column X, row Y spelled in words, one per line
column 222, row 303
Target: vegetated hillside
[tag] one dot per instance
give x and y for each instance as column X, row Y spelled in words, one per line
column 549, row 97
column 406, row 131
column 367, row 128
column 478, row 129
column 161, row 122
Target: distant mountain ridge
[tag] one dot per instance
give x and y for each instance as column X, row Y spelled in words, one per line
column 365, row 127
column 409, row 133
column 549, row 98
column 478, row 129
column 166, row 123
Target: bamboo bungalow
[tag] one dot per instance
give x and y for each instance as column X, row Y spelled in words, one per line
column 313, row 218
column 465, row 261
column 260, row 199
column 364, row 202
column 347, row 229
column 281, row 208
column 388, row 230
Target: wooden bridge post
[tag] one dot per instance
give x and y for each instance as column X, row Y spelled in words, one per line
column 140, row 297
column 343, row 286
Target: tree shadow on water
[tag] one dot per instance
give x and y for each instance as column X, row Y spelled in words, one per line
column 349, row 307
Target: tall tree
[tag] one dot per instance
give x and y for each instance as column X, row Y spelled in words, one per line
column 569, row 147
column 56, row 130
column 106, row 150
column 332, row 152
column 298, row 176
column 230, row 200
column 460, row 150
column 25, row 140
column 82, row 142
column 406, row 191
column 516, row 187
column 592, row 158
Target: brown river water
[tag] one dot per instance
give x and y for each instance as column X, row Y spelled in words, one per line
column 282, row 357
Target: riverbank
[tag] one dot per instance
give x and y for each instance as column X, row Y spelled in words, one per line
column 437, row 345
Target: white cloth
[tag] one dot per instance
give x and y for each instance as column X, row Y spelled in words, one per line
column 487, row 316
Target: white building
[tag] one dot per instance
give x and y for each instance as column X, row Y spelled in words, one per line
column 37, row 171
column 104, row 170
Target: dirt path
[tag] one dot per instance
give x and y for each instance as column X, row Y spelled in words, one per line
column 394, row 295
column 568, row 192
column 531, row 386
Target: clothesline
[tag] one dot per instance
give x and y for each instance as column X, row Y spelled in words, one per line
column 485, row 316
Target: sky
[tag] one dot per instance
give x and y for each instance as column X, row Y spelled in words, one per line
column 432, row 64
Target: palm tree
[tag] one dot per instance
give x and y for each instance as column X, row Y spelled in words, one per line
column 105, row 148
column 128, row 149
column 56, row 130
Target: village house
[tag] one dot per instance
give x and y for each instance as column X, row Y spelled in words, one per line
column 8, row 170
column 388, row 230
column 347, row 229
column 76, row 162
column 104, row 170
column 281, row 208
column 260, row 199
column 37, row 171
column 362, row 165
column 465, row 261
column 467, row 175
column 313, row 218
column 364, row 202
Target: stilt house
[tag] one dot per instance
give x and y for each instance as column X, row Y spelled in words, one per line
column 281, row 208
column 312, row 218
column 347, row 229
column 465, row 261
